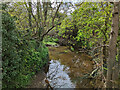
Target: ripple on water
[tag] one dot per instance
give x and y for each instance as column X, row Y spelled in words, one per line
column 58, row 75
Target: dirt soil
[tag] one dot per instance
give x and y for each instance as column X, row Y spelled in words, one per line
column 38, row 81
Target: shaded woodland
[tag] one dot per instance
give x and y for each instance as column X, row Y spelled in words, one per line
column 83, row 36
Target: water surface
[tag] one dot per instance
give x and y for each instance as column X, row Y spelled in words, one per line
column 58, row 75
column 67, row 68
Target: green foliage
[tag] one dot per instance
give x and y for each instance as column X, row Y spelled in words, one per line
column 34, row 59
column 10, row 55
column 72, row 49
column 50, row 41
column 87, row 24
column 21, row 58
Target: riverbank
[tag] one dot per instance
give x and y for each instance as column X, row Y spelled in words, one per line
column 38, row 81
column 67, row 69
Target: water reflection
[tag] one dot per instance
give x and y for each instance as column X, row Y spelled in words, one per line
column 58, row 75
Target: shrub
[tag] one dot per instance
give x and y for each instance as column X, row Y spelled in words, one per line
column 21, row 59
column 10, row 55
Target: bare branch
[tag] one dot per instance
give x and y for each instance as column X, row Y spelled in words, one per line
column 41, row 14
column 32, row 15
column 48, row 31
column 52, row 23
column 56, row 13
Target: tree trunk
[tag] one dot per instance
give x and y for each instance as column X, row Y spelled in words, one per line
column 119, row 50
column 29, row 14
column 105, row 39
column 38, row 18
column 119, row 61
column 116, row 64
column 104, row 47
column 112, row 47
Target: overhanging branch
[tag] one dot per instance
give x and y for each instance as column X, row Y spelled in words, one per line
column 56, row 14
column 48, row 31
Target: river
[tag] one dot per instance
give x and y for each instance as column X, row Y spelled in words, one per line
column 67, row 68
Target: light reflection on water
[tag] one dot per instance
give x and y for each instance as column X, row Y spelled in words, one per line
column 58, row 75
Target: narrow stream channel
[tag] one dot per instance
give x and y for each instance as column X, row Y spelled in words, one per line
column 67, row 67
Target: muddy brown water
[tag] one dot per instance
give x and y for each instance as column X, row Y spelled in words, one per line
column 67, row 68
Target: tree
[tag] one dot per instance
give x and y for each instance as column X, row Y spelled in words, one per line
column 42, row 20
column 39, row 20
column 112, row 75
column 89, row 23
column 106, row 8
column 29, row 14
column 119, row 45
